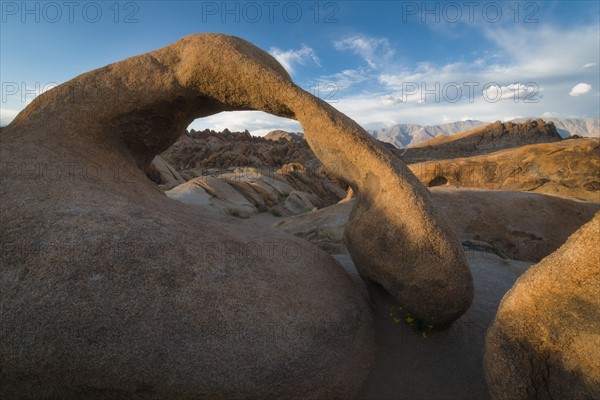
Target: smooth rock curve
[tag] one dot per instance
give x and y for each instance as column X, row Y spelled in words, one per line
column 111, row 290
column 545, row 340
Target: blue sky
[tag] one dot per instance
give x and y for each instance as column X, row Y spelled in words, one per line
column 380, row 62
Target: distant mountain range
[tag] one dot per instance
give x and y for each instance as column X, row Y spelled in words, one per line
column 406, row 135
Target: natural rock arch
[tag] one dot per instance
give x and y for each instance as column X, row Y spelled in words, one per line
column 118, row 118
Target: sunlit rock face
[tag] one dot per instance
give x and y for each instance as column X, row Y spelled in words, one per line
column 545, row 340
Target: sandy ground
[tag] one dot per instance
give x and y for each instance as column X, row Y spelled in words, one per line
column 442, row 365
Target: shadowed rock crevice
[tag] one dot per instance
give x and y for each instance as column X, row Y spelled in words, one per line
column 438, row 181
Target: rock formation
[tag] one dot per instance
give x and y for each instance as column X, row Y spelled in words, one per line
column 518, row 226
column 164, row 174
column 521, row 226
column 325, row 227
column 486, row 139
column 570, row 127
column 195, row 151
column 246, row 191
column 111, row 290
column 568, row 168
column 545, row 340
column 406, row 135
column 287, row 136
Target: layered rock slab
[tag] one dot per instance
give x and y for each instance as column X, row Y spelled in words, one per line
column 569, row 168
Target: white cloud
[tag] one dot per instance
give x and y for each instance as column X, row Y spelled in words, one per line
column 589, row 65
column 532, row 51
column 346, row 78
column 524, row 78
column 289, row 58
column 579, row 89
column 391, row 99
column 373, row 50
column 550, row 114
column 515, row 92
column 376, row 110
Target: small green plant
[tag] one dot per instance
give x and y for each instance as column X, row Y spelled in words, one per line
column 398, row 315
column 496, row 250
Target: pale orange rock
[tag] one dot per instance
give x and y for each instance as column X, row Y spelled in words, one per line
column 569, row 168
column 545, row 340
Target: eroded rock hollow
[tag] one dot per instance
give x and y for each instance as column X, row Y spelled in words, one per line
column 111, row 290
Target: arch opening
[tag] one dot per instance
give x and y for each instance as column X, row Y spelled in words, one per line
column 258, row 123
